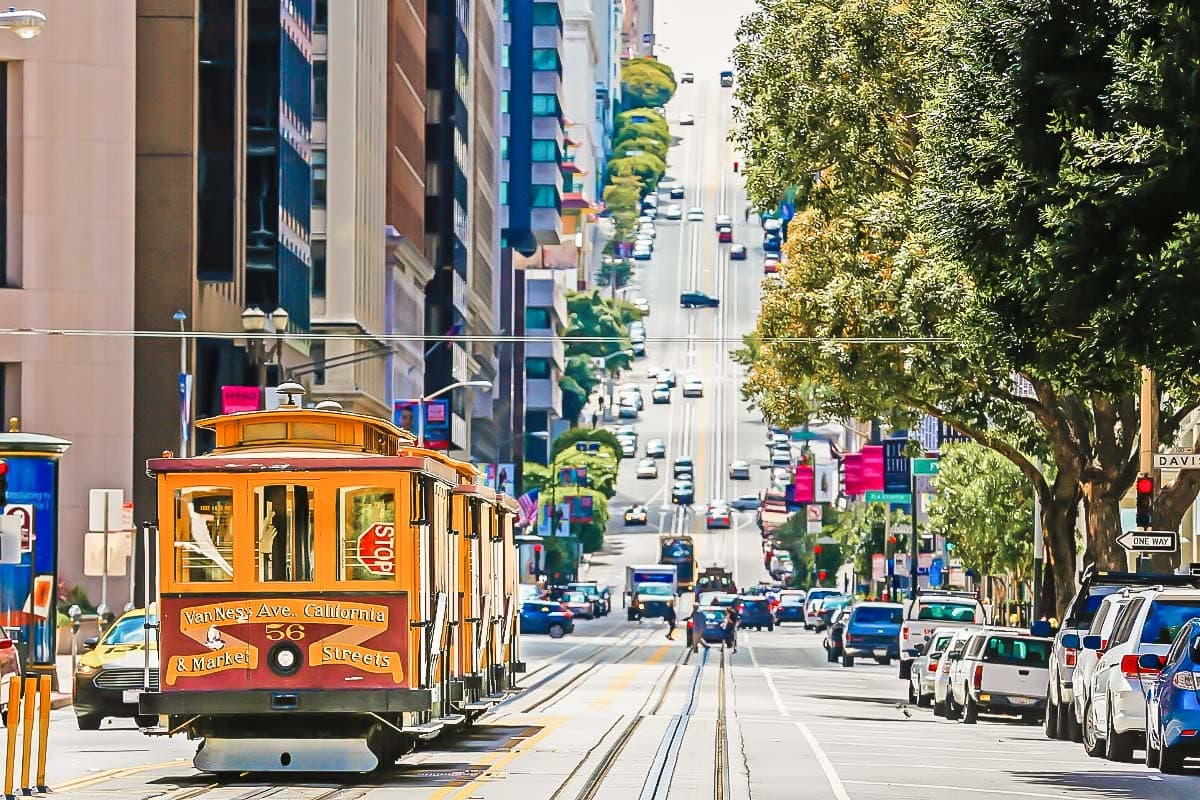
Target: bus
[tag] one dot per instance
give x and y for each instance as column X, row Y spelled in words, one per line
column 679, row 550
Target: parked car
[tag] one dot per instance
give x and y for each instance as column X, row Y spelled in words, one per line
column 693, row 387
column 674, row 211
column 641, row 304
column 647, row 468
column 931, row 609
column 1094, row 585
column 834, row 635
column 811, row 608
column 925, row 667
column 677, row 192
column 941, row 678
column 1089, row 648
column 687, row 77
column 546, row 617
column 666, row 375
column 1116, row 711
column 636, row 515
column 628, row 447
column 111, row 672
column 656, row 448
column 725, row 235
column 627, row 409
column 661, row 394
column 1173, row 708
column 723, row 221
column 687, row 119
column 1000, row 670
column 871, row 631
column 781, row 456
column 738, row 252
column 770, row 265
column 829, row 607
column 698, row 299
column 746, row 502
column 755, row 612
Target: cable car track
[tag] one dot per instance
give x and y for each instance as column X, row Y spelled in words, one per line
column 574, row 680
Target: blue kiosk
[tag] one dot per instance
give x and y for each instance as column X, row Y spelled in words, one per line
column 28, row 590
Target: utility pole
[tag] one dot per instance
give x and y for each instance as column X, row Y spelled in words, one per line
column 1148, row 444
column 1039, row 552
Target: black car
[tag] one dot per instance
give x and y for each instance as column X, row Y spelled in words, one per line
column 698, row 299
column 772, row 244
column 737, row 252
column 677, row 192
column 683, row 467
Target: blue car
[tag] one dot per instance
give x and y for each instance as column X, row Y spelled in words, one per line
column 791, row 607
column 873, row 630
column 547, row 618
column 714, row 625
column 1173, row 713
column 755, row 612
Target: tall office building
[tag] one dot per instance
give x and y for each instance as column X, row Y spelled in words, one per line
column 350, row 270
column 224, row 184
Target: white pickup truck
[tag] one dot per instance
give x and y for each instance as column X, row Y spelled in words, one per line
column 1000, row 670
column 934, row 609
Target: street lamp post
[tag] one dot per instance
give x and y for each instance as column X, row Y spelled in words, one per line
column 484, row 385
column 25, row 23
column 255, row 320
column 184, row 399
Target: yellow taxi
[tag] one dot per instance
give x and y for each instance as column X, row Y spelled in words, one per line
column 111, row 673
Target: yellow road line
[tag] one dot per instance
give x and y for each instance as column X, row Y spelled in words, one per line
column 111, row 774
column 626, row 676
column 498, row 764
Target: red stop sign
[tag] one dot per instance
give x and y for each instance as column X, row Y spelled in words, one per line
column 377, row 549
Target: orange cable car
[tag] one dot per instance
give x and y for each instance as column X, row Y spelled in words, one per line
column 312, row 611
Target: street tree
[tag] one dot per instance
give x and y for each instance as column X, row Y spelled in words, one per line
column 646, row 82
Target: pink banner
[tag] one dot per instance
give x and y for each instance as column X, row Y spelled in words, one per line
column 235, row 399
column 872, row 468
column 802, row 490
column 853, row 477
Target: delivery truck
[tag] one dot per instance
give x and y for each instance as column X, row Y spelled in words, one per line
column 649, row 590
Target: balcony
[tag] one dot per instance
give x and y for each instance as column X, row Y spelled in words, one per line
column 543, row 394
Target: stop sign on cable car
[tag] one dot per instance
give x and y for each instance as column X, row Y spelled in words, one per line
column 377, row 549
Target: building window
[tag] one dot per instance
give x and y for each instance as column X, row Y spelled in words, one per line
column 537, row 368
column 316, row 350
column 537, row 318
column 545, row 58
column 320, row 174
column 545, row 150
column 504, row 101
column 504, row 56
column 284, row 551
column 320, row 71
column 546, row 14
column 545, row 105
column 321, row 16
column 503, row 193
column 545, row 196
column 504, row 148
column 318, row 269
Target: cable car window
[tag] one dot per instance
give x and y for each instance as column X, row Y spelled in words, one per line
column 366, row 549
column 204, row 534
column 284, row 518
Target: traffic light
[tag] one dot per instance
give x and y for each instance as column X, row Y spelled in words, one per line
column 1145, row 501
column 3, row 484
column 735, row 166
column 821, row 575
column 816, row 549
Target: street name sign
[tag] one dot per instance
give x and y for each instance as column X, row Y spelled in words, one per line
column 925, row 466
column 888, row 497
column 1149, row 541
column 1177, row 460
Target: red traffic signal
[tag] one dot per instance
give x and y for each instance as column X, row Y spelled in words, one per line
column 821, row 575
column 735, row 166
column 537, row 548
column 1145, row 501
column 816, row 549
column 891, row 539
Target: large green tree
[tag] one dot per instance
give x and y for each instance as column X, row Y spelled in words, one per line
column 897, row 125
column 646, row 82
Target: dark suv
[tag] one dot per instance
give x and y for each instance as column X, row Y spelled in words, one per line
column 755, row 612
column 698, row 299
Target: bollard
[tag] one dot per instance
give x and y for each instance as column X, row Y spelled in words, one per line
column 14, row 724
column 43, row 731
column 28, row 695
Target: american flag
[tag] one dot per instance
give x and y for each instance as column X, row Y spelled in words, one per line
column 529, row 506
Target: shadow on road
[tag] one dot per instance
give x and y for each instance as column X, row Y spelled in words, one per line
column 1120, row 785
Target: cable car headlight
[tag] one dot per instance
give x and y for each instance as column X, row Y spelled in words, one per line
column 285, row 659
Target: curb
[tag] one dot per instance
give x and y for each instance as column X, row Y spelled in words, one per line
column 60, row 701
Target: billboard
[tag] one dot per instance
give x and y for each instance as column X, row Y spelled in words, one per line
column 437, row 420
column 872, row 468
column 499, row 477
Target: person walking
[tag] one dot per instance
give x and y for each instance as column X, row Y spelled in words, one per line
column 669, row 617
column 730, row 626
column 697, row 624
